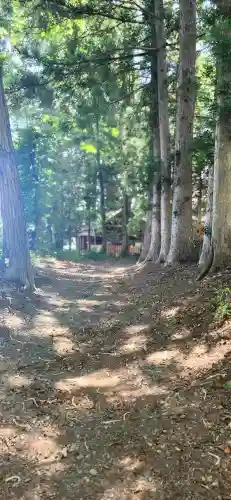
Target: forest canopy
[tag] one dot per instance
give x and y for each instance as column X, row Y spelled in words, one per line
column 111, row 112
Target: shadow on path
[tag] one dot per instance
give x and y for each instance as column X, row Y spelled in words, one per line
column 114, row 386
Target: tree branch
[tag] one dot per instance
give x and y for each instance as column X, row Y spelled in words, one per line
column 84, row 11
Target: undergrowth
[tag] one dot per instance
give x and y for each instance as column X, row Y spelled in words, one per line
column 222, row 304
column 74, row 256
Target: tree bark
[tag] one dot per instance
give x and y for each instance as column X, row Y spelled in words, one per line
column 37, row 208
column 147, row 234
column 221, row 226
column 125, row 243
column 77, row 244
column 180, row 247
column 206, row 248
column 12, row 211
column 59, row 222
column 165, row 206
column 199, row 198
column 154, row 248
column 50, row 235
column 5, row 252
column 89, row 229
column 101, row 189
column 102, row 209
column 69, row 243
column 59, row 241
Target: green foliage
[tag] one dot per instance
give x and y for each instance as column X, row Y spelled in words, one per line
column 222, row 304
column 74, row 256
column 89, row 148
column 78, row 87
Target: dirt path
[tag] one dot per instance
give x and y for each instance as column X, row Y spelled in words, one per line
column 114, row 388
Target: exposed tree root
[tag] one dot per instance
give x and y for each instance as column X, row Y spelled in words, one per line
column 206, row 268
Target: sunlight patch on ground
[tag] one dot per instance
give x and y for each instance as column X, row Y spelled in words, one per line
column 103, row 293
column 8, row 432
column 132, row 489
column 200, row 358
column 13, row 321
column 87, row 304
column 223, row 332
column 40, row 446
column 182, row 334
column 135, row 343
column 119, row 303
column 171, row 312
column 47, row 326
column 54, row 300
column 127, row 383
column 162, row 357
column 133, row 329
column 99, row 379
column 96, row 274
column 130, row 464
column 45, row 317
column 15, row 381
column 63, row 345
column 133, row 394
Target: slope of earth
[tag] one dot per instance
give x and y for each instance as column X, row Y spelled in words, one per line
column 114, row 385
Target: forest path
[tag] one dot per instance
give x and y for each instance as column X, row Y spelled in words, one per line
column 114, row 386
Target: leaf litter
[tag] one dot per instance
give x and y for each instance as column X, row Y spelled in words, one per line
column 113, row 402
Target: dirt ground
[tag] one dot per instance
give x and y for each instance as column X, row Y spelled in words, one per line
column 115, row 384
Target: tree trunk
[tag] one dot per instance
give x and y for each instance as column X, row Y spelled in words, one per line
column 37, row 231
column 12, row 211
column 199, row 198
column 154, row 248
column 165, row 206
column 59, row 241
column 5, row 252
column 206, row 248
column 125, row 243
column 69, row 238
column 50, row 235
column 102, row 209
column 101, row 189
column 221, row 227
column 59, row 222
column 37, row 197
column 89, row 230
column 147, row 236
column 77, row 244
column 180, row 247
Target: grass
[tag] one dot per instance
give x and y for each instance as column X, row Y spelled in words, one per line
column 74, row 256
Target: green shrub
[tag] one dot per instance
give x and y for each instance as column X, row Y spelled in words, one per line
column 72, row 255
column 222, row 304
column 94, row 255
